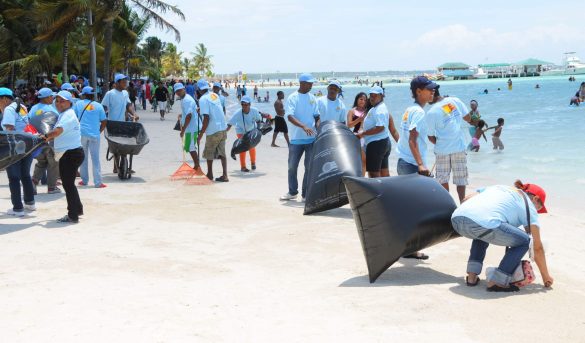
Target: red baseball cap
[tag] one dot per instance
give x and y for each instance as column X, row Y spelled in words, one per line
column 539, row 192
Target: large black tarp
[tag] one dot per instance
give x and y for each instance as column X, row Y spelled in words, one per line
column 44, row 122
column 397, row 216
column 15, row 146
column 247, row 142
column 336, row 153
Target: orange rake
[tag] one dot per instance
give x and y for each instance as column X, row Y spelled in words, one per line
column 185, row 171
column 198, row 178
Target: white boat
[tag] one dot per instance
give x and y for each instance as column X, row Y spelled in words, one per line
column 480, row 74
column 572, row 65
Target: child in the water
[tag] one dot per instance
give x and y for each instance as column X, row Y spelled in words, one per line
column 498, row 145
column 478, row 133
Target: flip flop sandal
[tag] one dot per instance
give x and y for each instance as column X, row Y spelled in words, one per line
column 222, row 179
column 496, row 288
column 471, row 284
column 417, row 256
column 66, row 219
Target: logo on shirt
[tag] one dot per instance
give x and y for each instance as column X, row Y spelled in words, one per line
column 448, row 108
column 337, row 108
column 39, row 112
column 23, row 112
column 213, row 96
column 405, row 116
column 89, row 107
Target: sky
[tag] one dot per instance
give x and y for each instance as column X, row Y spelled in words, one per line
column 256, row 36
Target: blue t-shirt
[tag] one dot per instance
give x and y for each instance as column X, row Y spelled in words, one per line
column 413, row 118
column 189, row 106
column 71, row 136
column 304, row 108
column 444, row 121
column 377, row 116
column 496, row 205
column 116, row 102
column 40, row 108
column 332, row 110
column 210, row 105
column 246, row 122
column 92, row 117
column 18, row 120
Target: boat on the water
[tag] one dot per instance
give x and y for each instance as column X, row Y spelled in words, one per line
column 572, row 65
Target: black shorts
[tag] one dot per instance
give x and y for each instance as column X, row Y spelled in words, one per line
column 280, row 125
column 377, row 153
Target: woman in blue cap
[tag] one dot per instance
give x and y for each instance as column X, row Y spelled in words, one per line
column 15, row 118
column 67, row 137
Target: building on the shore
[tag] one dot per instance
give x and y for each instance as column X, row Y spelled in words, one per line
column 497, row 70
column 455, row 71
column 530, row 67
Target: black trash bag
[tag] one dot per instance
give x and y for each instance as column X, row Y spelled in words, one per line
column 247, row 142
column 16, row 146
column 336, row 153
column 264, row 127
column 177, row 125
column 44, row 122
column 397, row 216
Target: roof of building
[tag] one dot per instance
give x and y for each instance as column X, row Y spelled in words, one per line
column 532, row 62
column 457, row 73
column 494, row 65
column 453, row 65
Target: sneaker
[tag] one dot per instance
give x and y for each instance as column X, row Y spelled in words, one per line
column 12, row 212
column 66, row 219
column 253, row 167
column 288, row 196
column 81, row 183
column 101, row 185
column 30, row 208
column 55, row 190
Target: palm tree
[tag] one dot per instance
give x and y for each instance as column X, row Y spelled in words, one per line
column 171, row 61
column 129, row 30
column 202, row 61
column 186, row 63
column 150, row 9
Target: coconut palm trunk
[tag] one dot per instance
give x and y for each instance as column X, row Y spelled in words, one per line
column 109, row 28
column 65, row 77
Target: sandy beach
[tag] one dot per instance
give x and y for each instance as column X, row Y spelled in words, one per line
column 159, row 261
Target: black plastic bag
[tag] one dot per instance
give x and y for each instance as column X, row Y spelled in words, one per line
column 16, row 146
column 397, row 216
column 247, row 142
column 177, row 126
column 44, row 122
column 264, row 127
column 336, row 153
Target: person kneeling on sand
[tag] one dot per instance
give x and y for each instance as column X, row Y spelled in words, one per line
column 214, row 126
column 493, row 216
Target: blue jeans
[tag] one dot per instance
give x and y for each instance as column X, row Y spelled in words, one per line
column 91, row 146
column 405, row 168
column 19, row 173
column 514, row 239
column 295, row 152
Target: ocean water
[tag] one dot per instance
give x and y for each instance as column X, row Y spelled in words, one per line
column 544, row 137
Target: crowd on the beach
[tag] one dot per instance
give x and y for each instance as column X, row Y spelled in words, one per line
column 488, row 217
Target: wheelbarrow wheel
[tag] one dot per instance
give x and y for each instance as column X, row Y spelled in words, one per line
column 123, row 168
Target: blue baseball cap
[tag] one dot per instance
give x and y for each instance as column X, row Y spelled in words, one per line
column 306, row 77
column 178, row 86
column 87, row 90
column 65, row 95
column 202, row 84
column 246, row 99
column 120, row 77
column 67, row 87
column 45, row 93
column 421, row 82
column 72, row 78
column 217, row 84
column 6, row 92
column 335, row 83
column 376, row 90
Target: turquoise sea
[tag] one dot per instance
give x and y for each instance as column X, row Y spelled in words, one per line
column 544, row 137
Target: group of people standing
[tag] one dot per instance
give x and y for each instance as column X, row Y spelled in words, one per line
column 488, row 217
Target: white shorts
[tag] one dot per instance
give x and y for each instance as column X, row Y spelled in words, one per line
column 162, row 105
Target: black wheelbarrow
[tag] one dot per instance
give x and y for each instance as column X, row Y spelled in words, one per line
column 125, row 139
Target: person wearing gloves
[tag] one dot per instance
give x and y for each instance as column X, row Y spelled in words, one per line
column 46, row 159
column 245, row 120
column 191, row 123
column 15, row 119
column 493, row 216
column 67, row 137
